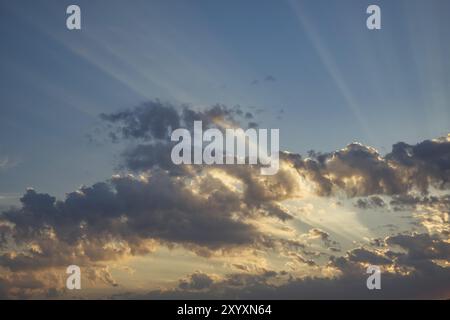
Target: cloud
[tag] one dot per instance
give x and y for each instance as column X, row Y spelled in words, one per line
column 154, row 120
column 421, row 247
column 360, row 170
column 370, row 203
column 20, row 285
column 365, row 255
column 149, row 121
column 147, row 129
column 162, row 204
column 259, row 194
column 146, row 156
column 211, row 209
column 48, row 283
column 356, row 170
column 426, row 163
column 409, row 201
column 196, row 281
column 422, row 281
column 268, row 78
column 129, row 211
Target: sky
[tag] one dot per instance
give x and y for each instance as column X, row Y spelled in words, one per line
column 69, row 171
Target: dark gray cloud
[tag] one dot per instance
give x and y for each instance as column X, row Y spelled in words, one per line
column 408, row 202
column 260, row 195
column 426, row 163
column 426, row 280
column 196, row 281
column 151, row 120
column 356, row 169
column 270, row 78
column 48, row 283
column 360, row 171
column 427, row 286
column 421, row 247
column 147, row 128
column 365, row 255
column 125, row 209
column 134, row 210
column 20, row 286
column 143, row 157
column 372, row 202
column 154, row 120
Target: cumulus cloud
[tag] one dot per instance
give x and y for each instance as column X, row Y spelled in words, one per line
column 20, row 285
column 421, row 247
column 154, row 120
column 126, row 212
column 151, row 120
column 360, row 170
column 147, row 129
column 356, row 170
column 160, row 205
column 426, row 163
column 212, row 208
column 365, row 255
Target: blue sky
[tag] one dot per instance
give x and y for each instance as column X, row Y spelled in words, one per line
column 336, row 81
